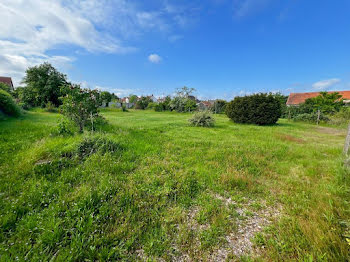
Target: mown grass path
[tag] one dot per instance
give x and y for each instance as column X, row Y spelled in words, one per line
column 173, row 191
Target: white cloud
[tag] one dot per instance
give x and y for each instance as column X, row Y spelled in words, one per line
column 324, row 84
column 154, row 58
column 34, row 29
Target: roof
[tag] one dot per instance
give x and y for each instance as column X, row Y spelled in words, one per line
column 206, row 103
column 299, row 98
column 6, row 80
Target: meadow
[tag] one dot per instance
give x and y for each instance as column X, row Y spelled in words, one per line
column 148, row 186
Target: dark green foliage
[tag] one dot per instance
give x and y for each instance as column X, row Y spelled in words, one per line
column 260, row 109
column 8, row 105
column 124, row 109
column 6, row 88
column 283, row 100
column 142, row 103
column 163, row 106
column 219, row 106
column 81, row 106
column 203, row 119
column 106, row 97
column 43, row 85
column 151, row 105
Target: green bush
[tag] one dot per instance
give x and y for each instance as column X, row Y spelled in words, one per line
column 151, row 105
column 8, row 105
column 219, row 106
column 50, row 107
column 312, row 118
column 260, row 109
column 5, row 87
column 159, row 107
column 124, row 109
column 203, row 119
column 64, row 127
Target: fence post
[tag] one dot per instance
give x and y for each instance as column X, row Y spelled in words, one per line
column 318, row 116
column 347, row 141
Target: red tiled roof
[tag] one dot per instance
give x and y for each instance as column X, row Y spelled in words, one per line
column 6, row 80
column 299, row 98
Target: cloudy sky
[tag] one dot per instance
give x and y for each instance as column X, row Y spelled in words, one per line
column 222, row 48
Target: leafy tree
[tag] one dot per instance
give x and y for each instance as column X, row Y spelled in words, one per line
column 283, row 100
column 327, row 103
column 219, row 106
column 43, row 85
column 182, row 101
column 133, row 98
column 184, row 92
column 6, row 88
column 80, row 105
column 260, row 109
column 106, row 97
column 142, row 103
column 163, row 106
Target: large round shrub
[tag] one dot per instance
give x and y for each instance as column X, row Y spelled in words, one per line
column 260, row 109
column 8, row 105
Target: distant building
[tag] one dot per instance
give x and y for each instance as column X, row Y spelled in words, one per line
column 153, row 98
column 296, row 99
column 7, row 81
column 205, row 105
column 125, row 100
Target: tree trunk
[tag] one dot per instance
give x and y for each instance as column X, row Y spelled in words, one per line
column 318, row 116
column 347, row 141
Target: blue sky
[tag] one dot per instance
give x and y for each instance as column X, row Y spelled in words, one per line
column 222, row 48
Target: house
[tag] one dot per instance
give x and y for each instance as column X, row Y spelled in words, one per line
column 7, row 81
column 125, row 100
column 296, row 99
column 205, row 105
column 153, row 98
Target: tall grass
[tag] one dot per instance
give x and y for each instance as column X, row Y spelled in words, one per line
column 153, row 194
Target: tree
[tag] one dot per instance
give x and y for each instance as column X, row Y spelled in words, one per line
column 6, row 88
column 133, row 98
column 80, row 105
column 327, row 103
column 182, row 101
column 283, row 100
column 43, row 84
column 260, row 109
column 219, row 106
column 143, row 102
column 106, row 97
column 184, row 92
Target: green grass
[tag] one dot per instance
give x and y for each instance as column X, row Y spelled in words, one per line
column 156, row 194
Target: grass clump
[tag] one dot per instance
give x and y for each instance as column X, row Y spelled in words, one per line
column 96, row 144
column 203, row 119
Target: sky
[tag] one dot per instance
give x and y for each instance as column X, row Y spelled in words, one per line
column 222, row 48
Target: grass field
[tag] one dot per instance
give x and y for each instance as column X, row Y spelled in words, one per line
column 159, row 189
